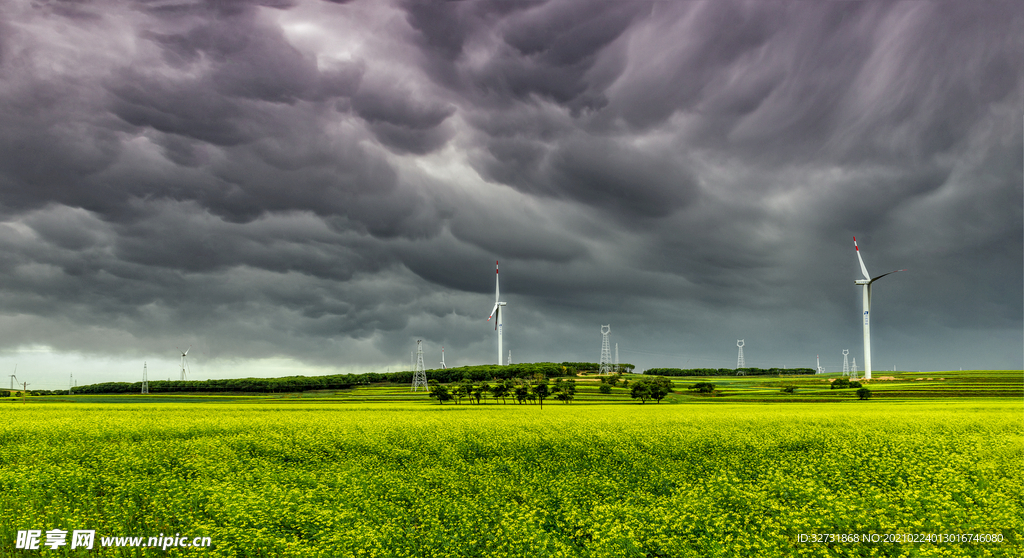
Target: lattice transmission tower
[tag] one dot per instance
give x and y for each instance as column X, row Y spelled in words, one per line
column 846, row 362
column 419, row 376
column 853, row 370
column 145, row 378
column 740, row 363
column 606, row 350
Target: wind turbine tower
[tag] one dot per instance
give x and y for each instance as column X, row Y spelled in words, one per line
column 740, row 362
column 818, row 359
column 184, row 362
column 419, row 377
column 866, row 283
column 606, row 350
column 443, row 365
column 616, row 358
column 496, row 312
column 145, row 378
column 846, row 362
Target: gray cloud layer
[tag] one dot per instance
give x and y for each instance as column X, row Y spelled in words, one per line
column 329, row 181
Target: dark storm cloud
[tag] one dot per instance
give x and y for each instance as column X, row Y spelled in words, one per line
column 401, row 120
column 311, row 178
column 625, row 180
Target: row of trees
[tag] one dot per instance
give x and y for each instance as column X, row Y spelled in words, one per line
column 728, row 371
column 34, row 392
column 584, row 367
column 487, row 373
column 535, row 390
column 521, row 390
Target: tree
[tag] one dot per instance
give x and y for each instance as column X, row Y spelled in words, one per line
column 564, row 390
column 840, row 383
column 702, row 387
column 502, row 390
column 612, row 380
column 438, row 392
column 558, row 390
column 521, row 392
column 480, row 391
column 789, row 389
column 541, row 391
column 864, row 393
column 660, row 387
column 463, row 389
column 642, row 389
column 604, row 388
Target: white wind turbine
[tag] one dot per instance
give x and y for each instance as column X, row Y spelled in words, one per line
column 183, row 362
column 496, row 311
column 443, row 365
column 866, row 283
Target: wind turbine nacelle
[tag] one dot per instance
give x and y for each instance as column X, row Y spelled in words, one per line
column 862, row 282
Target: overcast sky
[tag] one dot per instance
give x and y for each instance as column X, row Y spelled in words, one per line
column 309, row 187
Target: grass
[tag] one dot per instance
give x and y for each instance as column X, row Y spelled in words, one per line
column 381, row 471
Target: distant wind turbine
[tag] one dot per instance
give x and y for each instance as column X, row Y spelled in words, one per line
column 184, row 363
column 443, row 366
column 866, row 283
column 496, row 311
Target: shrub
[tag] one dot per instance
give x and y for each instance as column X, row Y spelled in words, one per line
column 864, row 393
column 702, row 387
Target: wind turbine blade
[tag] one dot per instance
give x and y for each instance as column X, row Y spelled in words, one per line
column 493, row 310
column 497, row 317
column 188, row 349
column 496, row 291
column 863, row 268
column 884, row 274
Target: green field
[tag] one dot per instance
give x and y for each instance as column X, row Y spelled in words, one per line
column 989, row 385
column 378, row 471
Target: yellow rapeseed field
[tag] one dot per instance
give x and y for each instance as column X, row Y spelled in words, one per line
column 574, row 481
